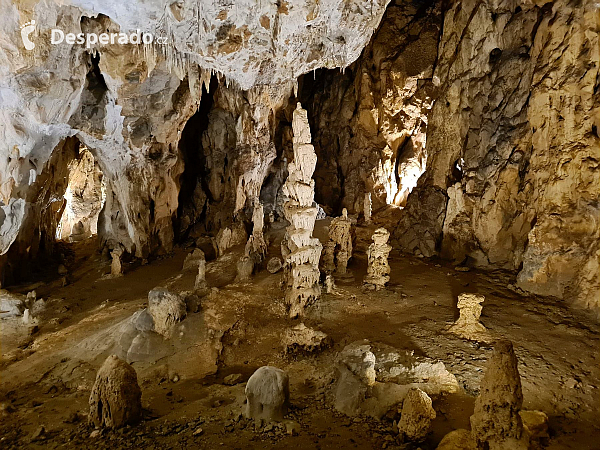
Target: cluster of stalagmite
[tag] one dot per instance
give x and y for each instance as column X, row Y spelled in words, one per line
column 301, row 251
column 338, row 250
column 378, row 271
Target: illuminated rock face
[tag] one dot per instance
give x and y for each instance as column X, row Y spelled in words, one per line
column 512, row 147
column 301, row 251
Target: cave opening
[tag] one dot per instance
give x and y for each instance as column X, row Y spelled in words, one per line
column 194, row 192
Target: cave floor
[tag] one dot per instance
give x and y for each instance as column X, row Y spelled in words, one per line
column 46, row 373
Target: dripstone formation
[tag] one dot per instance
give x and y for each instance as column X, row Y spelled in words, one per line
column 378, row 271
column 301, row 251
column 468, row 326
column 115, row 400
column 267, row 394
column 496, row 423
column 338, row 249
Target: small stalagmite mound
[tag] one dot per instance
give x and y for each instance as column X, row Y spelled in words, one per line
column 267, row 394
column 115, row 400
column 496, row 422
column 417, row 414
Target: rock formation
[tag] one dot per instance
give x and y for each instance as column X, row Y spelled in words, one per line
column 302, row 339
column 338, row 250
column 256, row 247
column 11, row 305
column 301, row 251
column 373, row 377
column 166, row 308
column 115, row 400
column 468, row 325
column 416, row 416
column 511, row 178
column 267, row 394
column 496, row 422
column 378, row 270
column 116, row 267
column 274, row 265
column 200, row 281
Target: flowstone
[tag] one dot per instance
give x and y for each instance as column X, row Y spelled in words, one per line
column 378, row 270
column 301, row 252
column 115, row 400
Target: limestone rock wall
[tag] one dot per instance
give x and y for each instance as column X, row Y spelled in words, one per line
column 369, row 122
column 129, row 103
column 512, row 172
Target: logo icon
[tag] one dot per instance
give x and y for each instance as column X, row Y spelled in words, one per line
column 26, row 30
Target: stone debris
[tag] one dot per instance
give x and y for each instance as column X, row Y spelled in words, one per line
column 301, row 252
column 468, row 325
column 11, row 305
column 232, row 379
column 338, row 250
column 496, row 422
column 166, row 309
column 302, row 339
column 416, row 416
column 373, row 377
column 535, row 423
column 378, row 270
column 267, row 394
column 274, row 265
column 115, row 400
column 460, row 439
column 367, row 207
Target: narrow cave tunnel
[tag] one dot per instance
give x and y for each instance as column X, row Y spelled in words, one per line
column 332, row 224
column 194, row 192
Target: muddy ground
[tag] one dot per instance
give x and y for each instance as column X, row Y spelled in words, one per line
column 48, row 368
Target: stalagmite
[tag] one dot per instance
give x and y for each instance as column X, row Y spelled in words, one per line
column 496, row 423
column 416, row 417
column 338, row 249
column 116, row 268
column 468, row 326
column 267, row 394
column 301, row 251
column 378, row 271
column 200, row 282
column 256, row 247
column 367, row 208
column 115, row 400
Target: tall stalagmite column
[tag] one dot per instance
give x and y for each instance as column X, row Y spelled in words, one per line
column 301, row 251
